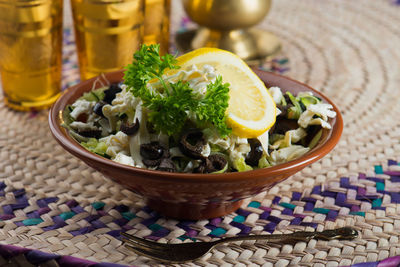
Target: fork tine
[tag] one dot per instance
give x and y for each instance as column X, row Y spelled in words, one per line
column 141, row 244
column 140, row 241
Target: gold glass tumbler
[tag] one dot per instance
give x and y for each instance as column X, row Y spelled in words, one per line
column 156, row 23
column 30, row 52
column 107, row 34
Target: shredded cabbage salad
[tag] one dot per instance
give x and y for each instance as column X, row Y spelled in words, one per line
column 298, row 127
column 115, row 124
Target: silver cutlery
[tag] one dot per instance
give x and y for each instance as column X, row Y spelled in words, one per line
column 173, row 253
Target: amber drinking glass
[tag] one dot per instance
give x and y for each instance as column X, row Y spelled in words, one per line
column 107, row 33
column 30, row 52
column 156, row 23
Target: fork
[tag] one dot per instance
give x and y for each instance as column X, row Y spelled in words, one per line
column 174, row 253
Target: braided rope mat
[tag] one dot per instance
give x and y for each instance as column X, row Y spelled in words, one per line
column 51, row 201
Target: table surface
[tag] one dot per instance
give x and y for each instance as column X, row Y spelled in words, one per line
column 349, row 50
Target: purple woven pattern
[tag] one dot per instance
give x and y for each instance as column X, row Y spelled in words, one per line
column 22, row 257
column 380, row 192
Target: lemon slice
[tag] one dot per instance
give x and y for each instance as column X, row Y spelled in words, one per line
column 251, row 110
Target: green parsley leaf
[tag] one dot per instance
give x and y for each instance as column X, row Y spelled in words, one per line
column 170, row 107
column 169, row 113
column 212, row 108
column 147, row 65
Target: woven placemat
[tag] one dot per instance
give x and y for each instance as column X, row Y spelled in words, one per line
column 51, row 201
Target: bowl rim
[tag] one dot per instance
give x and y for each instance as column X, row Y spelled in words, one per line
column 73, row 147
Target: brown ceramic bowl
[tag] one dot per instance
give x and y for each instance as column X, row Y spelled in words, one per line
column 194, row 196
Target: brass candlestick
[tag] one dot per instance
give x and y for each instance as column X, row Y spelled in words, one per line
column 227, row 24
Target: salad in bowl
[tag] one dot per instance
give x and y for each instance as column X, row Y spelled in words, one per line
column 195, row 115
column 197, row 134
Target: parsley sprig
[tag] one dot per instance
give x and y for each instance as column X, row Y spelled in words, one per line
column 212, row 108
column 169, row 109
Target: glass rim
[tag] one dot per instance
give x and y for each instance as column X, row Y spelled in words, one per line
column 25, row 3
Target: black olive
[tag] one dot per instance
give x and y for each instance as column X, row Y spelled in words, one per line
column 271, row 130
column 151, row 151
column 91, row 133
column 201, row 168
column 111, row 92
column 166, row 153
column 282, row 125
column 211, row 164
column 98, row 108
column 204, row 166
column 312, row 130
column 191, row 143
column 152, row 162
column 166, row 165
column 218, row 162
column 287, row 99
column 255, row 153
column 130, row 129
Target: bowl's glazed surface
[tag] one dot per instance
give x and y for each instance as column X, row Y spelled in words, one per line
column 187, row 195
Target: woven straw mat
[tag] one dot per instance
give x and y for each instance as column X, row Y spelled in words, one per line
column 349, row 50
